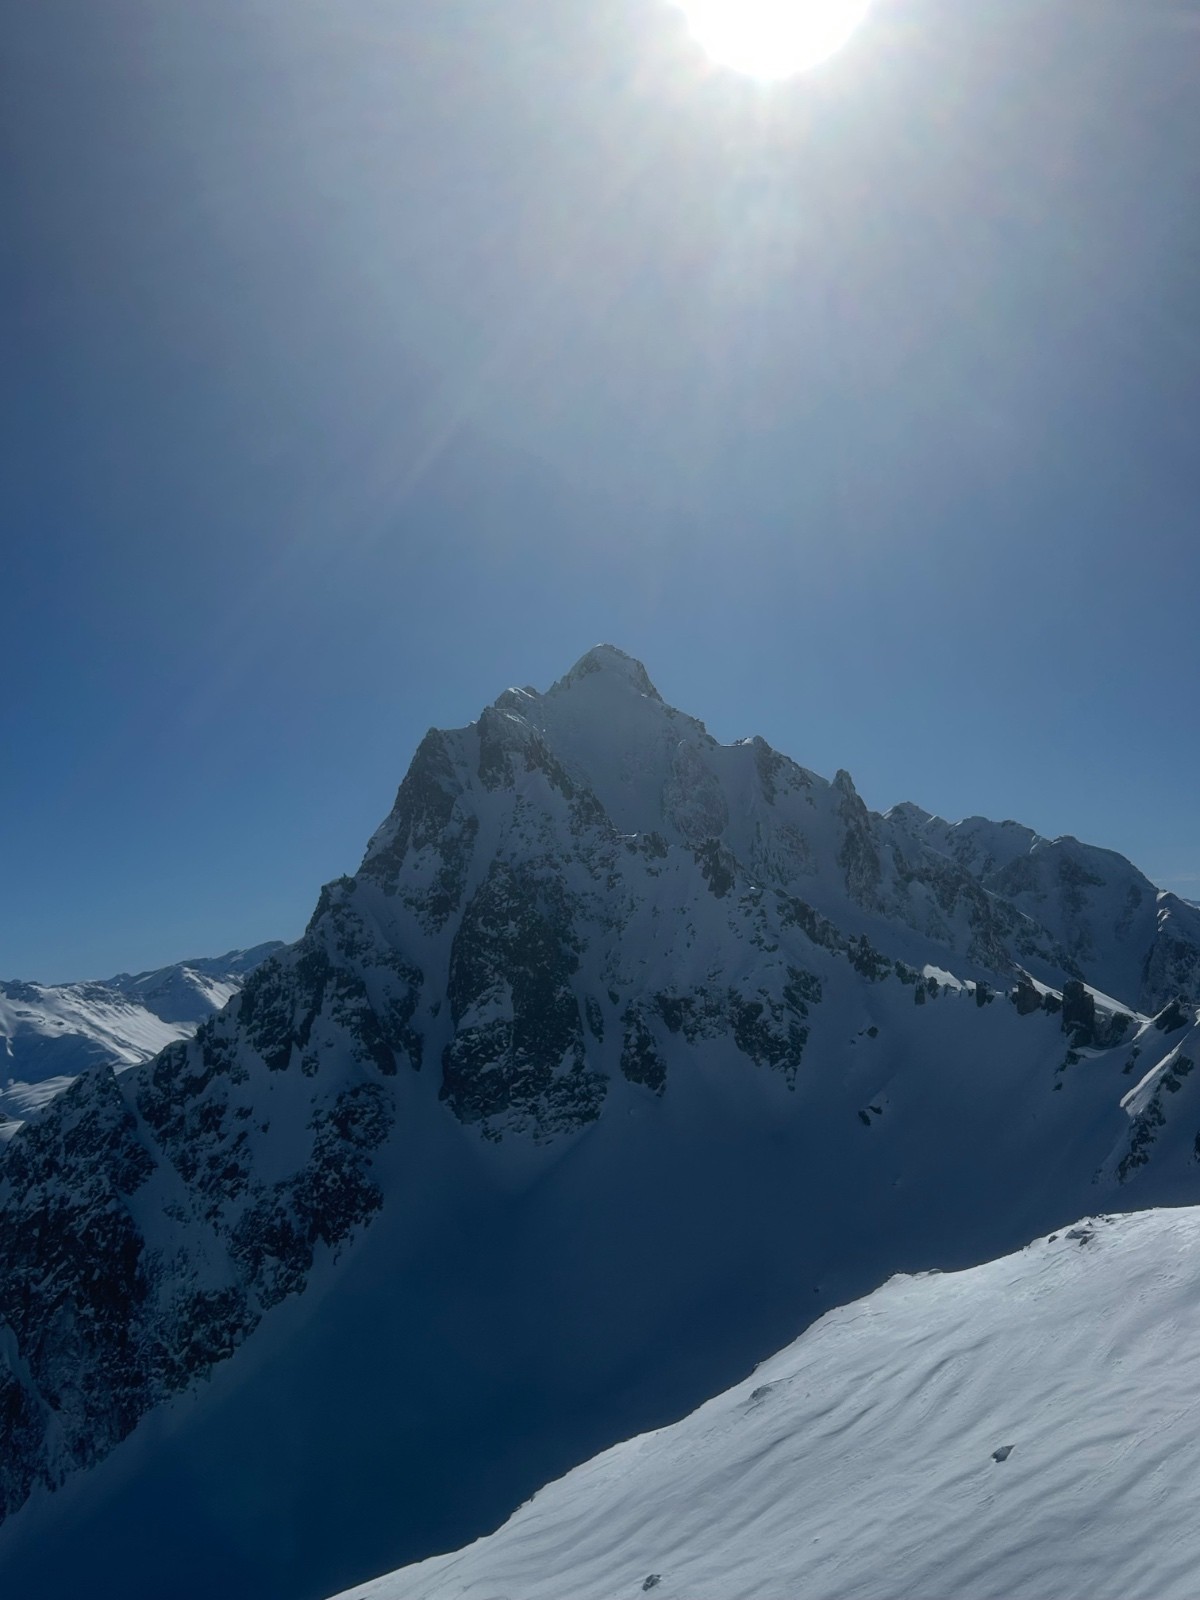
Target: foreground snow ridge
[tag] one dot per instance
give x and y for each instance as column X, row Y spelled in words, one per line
column 1027, row 1428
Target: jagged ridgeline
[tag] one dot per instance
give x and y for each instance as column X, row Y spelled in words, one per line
column 590, row 954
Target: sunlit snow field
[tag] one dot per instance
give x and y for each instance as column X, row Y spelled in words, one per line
column 860, row 1461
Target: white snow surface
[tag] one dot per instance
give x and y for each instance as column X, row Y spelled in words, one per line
column 127, row 1031
column 860, row 1461
column 50, row 1033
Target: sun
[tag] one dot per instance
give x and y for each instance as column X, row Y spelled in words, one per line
column 772, row 38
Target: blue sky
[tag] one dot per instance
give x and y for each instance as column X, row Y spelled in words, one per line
column 359, row 359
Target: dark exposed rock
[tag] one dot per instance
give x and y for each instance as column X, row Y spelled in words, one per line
column 641, row 1060
column 323, row 1203
column 422, row 813
column 595, row 1018
column 518, row 1050
column 1111, row 1028
column 801, row 990
column 73, row 1283
column 678, row 1011
column 1179, row 1069
column 1026, row 997
column 717, row 865
column 426, row 824
column 1145, row 1130
column 1143, row 1134
column 1171, row 968
column 866, row 959
column 858, row 856
column 770, row 766
column 794, row 913
column 1079, row 1013
column 770, row 1034
column 1174, row 1015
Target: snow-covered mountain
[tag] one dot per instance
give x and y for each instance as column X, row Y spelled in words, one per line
column 1107, row 920
column 189, row 991
column 1023, row 1429
column 50, row 1033
column 622, row 1057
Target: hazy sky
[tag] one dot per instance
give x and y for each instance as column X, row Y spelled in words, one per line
column 358, row 359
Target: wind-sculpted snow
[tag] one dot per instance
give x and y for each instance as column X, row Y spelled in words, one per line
column 1021, row 1430
column 623, row 1056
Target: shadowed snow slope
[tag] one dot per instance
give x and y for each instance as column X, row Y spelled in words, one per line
column 861, row 1462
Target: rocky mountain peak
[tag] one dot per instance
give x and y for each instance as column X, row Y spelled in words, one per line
column 910, row 814
column 615, row 665
column 604, row 994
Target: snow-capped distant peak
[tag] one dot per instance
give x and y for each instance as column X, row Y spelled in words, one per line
column 50, row 1033
column 910, row 814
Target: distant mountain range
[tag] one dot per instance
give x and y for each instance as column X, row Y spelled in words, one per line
column 622, row 1058
column 50, row 1033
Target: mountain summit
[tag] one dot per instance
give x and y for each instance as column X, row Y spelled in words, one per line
column 615, row 665
column 622, row 1056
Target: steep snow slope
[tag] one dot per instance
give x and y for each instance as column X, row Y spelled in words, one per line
column 50, row 1033
column 623, row 1055
column 861, row 1462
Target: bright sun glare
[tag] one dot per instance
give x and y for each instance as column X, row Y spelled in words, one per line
column 772, row 38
